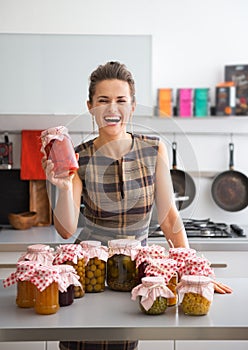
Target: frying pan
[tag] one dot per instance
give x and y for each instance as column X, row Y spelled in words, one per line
column 183, row 184
column 230, row 188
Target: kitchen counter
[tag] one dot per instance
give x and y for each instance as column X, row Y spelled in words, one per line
column 18, row 240
column 113, row 315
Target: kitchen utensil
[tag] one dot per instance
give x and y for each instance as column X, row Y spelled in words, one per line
column 183, row 183
column 22, row 221
column 230, row 188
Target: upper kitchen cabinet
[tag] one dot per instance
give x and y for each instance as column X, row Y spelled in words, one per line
column 48, row 74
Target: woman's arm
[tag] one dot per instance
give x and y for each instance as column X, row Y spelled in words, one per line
column 168, row 215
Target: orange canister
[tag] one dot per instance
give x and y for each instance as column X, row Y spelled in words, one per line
column 46, row 280
column 95, row 270
column 76, row 256
column 25, row 296
column 41, row 253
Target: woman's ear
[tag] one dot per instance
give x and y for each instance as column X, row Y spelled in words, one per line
column 89, row 105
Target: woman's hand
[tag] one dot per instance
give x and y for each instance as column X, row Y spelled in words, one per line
column 221, row 288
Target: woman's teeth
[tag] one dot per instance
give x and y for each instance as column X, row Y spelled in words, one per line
column 112, row 119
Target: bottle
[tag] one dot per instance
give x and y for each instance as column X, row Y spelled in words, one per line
column 153, row 294
column 41, row 253
column 25, row 294
column 74, row 255
column 95, row 270
column 58, row 147
column 122, row 274
column 46, row 280
column 195, row 294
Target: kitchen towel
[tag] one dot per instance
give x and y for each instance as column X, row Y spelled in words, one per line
column 31, row 156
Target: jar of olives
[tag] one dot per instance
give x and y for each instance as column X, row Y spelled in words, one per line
column 41, row 253
column 25, row 295
column 74, row 255
column 153, row 294
column 46, row 280
column 122, row 274
column 195, row 294
column 95, row 270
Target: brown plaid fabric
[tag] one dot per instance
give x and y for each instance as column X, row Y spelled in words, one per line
column 101, row 345
column 118, row 194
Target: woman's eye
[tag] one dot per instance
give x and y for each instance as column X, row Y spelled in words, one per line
column 103, row 100
column 121, row 101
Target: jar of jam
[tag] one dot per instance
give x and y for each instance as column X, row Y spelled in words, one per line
column 25, row 296
column 153, row 295
column 74, row 255
column 122, row 274
column 95, row 270
column 58, row 147
column 46, row 280
column 195, row 294
column 180, row 255
column 147, row 254
column 68, row 279
column 41, row 253
column 167, row 268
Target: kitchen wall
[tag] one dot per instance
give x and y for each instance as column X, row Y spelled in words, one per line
column 192, row 41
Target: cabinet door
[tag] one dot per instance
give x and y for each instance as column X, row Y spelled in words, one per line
column 23, row 346
column 211, row 345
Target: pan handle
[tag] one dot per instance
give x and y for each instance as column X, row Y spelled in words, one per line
column 231, row 151
column 174, row 155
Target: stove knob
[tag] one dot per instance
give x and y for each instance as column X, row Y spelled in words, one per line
column 238, row 230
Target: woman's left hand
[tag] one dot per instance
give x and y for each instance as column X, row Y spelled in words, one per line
column 221, row 288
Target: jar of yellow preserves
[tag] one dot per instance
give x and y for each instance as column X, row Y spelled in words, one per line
column 40, row 253
column 122, row 274
column 195, row 294
column 25, row 296
column 74, row 255
column 153, row 295
column 95, row 270
column 46, row 280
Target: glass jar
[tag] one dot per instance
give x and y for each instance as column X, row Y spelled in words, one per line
column 95, row 270
column 73, row 255
column 153, row 295
column 58, row 146
column 68, row 279
column 41, row 253
column 66, row 298
column 25, row 294
column 195, row 294
column 122, row 274
column 172, row 285
column 46, row 279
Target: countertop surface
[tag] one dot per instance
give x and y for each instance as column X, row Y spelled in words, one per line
column 113, row 315
column 18, row 240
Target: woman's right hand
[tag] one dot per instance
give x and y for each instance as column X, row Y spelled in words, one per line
column 63, row 183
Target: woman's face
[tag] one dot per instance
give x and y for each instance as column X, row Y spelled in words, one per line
column 112, row 106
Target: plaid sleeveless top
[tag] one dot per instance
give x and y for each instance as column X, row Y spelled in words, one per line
column 118, row 195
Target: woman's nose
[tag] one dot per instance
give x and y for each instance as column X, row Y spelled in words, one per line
column 112, row 107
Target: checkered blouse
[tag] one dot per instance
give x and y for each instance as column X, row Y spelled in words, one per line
column 118, row 194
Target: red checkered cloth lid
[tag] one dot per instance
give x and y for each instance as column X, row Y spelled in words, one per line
column 70, row 252
column 150, row 252
column 41, row 253
column 197, row 266
column 180, row 255
column 161, row 267
column 24, row 271
column 44, row 276
column 68, row 276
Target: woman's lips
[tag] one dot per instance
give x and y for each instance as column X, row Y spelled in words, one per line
column 112, row 119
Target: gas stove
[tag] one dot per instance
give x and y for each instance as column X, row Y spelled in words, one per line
column 205, row 229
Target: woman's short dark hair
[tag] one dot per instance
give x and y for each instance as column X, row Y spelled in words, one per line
column 108, row 71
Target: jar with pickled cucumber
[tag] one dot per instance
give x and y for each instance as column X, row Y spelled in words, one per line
column 74, row 255
column 167, row 268
column 25, row 296
column 122, row 274
column 95, row 270
column 41, row 253
column 46, row 280
column 195, row 294
column 153, row 295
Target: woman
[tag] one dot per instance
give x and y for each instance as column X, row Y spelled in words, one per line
column 120, row 176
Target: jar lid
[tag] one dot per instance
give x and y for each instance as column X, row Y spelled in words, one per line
column 195, row 279
column 38, row 248
column 124, row 243
column 153, row 280
column 89, row 244
column 70, row 252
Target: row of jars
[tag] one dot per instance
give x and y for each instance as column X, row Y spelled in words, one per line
column 148, row 272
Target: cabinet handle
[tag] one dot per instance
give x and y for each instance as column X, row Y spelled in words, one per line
column 218, row 265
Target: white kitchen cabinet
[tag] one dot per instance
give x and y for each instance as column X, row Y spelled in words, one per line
column 210, row 345
column 41, row 345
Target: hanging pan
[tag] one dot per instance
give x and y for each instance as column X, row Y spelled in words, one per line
column 183, row 183
column 230, row 188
